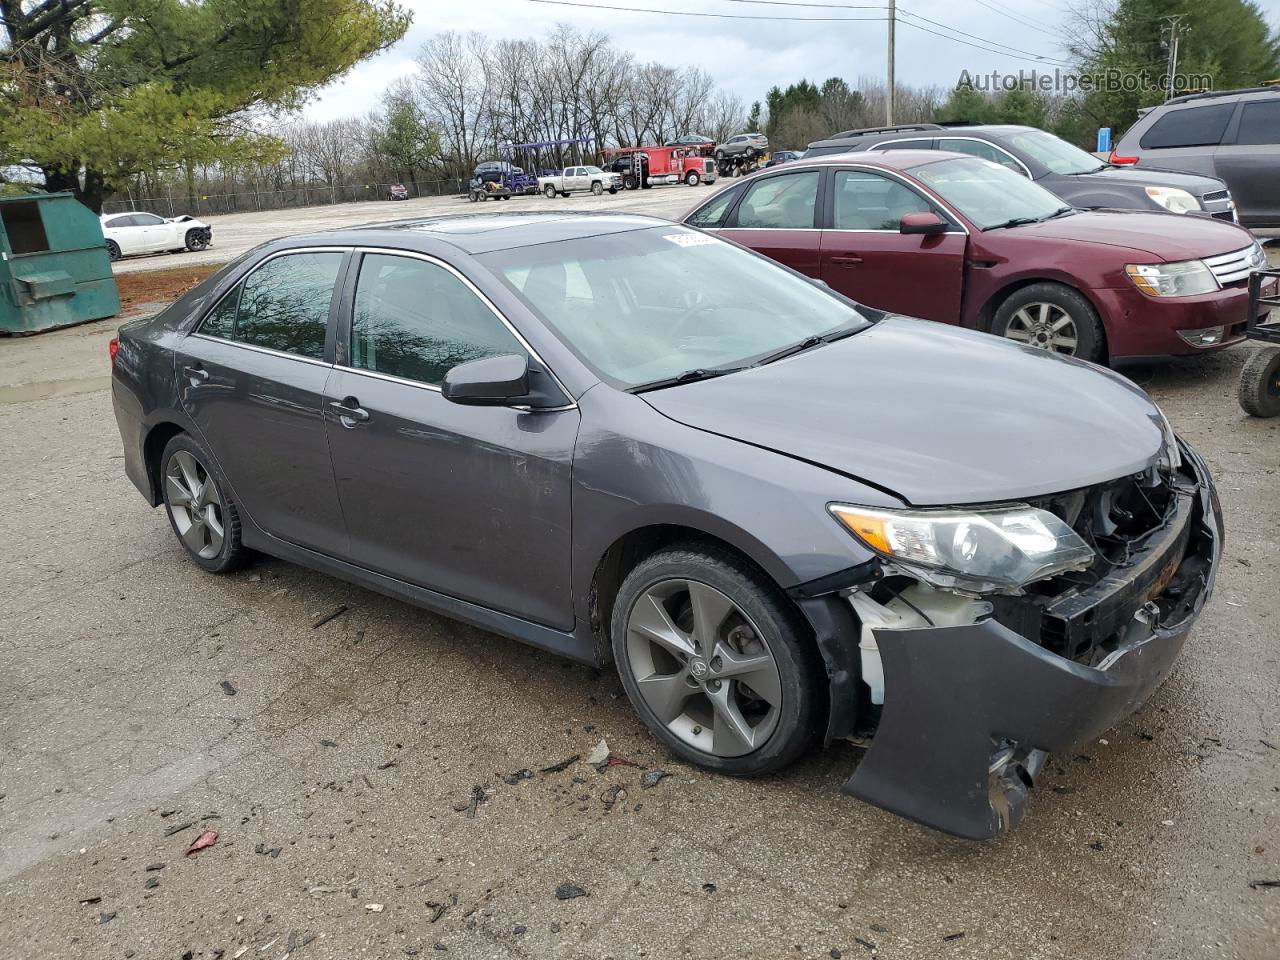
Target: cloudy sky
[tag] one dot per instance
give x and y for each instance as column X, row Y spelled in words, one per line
column 748, row 56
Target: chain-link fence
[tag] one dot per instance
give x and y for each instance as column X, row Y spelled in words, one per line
column 252, row 201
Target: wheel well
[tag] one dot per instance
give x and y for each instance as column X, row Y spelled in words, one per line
column 152, row 448
column 622, row 557
column 987, row 315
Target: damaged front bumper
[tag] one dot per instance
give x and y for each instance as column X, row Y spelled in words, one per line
column 970, row 711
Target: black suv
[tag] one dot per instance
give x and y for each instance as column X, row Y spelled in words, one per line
column 1077, row 177
column 1232, row 134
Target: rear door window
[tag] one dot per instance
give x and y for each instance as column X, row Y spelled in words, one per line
column 285, row 303
column 785, row 202
column 1191, row 127
column 1259, row 122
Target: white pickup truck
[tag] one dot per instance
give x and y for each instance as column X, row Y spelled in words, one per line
column 580, row 178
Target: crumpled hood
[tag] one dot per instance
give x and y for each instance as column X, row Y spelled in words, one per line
column 934, row 414
column 1189, row 238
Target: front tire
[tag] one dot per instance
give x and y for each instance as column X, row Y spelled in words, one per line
column 597, row 188
column 716, row 662
column 201, row 511
column 692, row 178
column 629, row 182
column 1260, row 384
column 196, row 240
column 1052, row 317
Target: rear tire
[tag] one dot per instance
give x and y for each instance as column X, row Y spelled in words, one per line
column 1052, row 317
column 201, row 510
column 1260, row 383
column 704, row 720
column 113, row 250
column 549, row 192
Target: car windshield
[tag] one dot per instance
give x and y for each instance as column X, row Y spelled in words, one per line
column 1055, row 153
column 647, row 306
column 988, row 194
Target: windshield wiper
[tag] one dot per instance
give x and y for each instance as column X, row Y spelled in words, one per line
column 1015, row 222
column 688, row 376
column 808, row 343
column 1061, row 211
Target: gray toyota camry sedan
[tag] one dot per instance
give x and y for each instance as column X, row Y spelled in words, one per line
column 785, row 518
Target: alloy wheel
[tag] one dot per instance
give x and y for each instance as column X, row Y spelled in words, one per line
column 703, row 667
column 195, row 504
column 1046, row 326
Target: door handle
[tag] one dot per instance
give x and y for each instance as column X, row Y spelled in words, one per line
column 846, row 259
column 196, row 373
column 349, row 411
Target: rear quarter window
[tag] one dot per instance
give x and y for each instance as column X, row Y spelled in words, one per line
column 1189, row 127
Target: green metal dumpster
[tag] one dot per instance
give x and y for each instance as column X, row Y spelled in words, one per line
column 54, row 268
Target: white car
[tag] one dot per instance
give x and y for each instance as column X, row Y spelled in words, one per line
column 130, row 233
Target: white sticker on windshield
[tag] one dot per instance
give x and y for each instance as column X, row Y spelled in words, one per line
column 689, row 239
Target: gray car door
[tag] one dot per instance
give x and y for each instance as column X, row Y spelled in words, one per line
column 1249, row 160
column 473, row 502
column 252, row 377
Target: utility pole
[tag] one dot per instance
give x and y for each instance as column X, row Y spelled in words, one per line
column 1173, row 55
column 888, row 100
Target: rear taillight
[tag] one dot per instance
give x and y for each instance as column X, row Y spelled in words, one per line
column 1120, row 161
column 113, row 348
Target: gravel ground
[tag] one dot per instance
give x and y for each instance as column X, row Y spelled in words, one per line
column 143, row 702
column 236, row 233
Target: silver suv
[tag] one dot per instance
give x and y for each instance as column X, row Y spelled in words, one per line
column 748, row 145
column 1232, row 134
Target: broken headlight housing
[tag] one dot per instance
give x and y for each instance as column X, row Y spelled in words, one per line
column 1170, row 459
column 999, row 549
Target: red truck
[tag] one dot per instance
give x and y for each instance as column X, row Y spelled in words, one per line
column 644, row 167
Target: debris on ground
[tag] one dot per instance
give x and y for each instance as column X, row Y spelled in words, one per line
column 88, row 901
column 866, row 943
column 563, row 765
column 1259, row 884
column 389, row 764
column 836, row 954
column 708, row 888
column 652, row 778
column 272, row 852
column 954, row 936
column 469, row 807
column 612, row 795
column 617, row 761
column 437, row 909
column 179, row 828
column 1096, row 845
column 569, row 891
column 599, row 753
column 227, row 688
column 327, row 743
column 154, row 866
column 106, row 917
column 151, row 884
column 333, row 614
column 374, row 907
column 206, row 839
column 513, row 778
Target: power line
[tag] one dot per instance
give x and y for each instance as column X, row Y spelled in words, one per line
column 719, row 16
column 978, row 46
column 901, row 10
column 1024, row 23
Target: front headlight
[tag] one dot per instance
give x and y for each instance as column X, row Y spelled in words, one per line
column 1173, row 199
column 1184, row 279
column 998, row 548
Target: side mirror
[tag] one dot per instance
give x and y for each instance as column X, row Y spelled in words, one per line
column 489, row 381
column 925, row 223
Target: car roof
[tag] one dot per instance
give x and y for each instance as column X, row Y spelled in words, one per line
column 929, row 132
column 476, row 233
column 890, row 159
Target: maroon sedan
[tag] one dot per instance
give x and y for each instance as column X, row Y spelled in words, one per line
column 961, row 240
